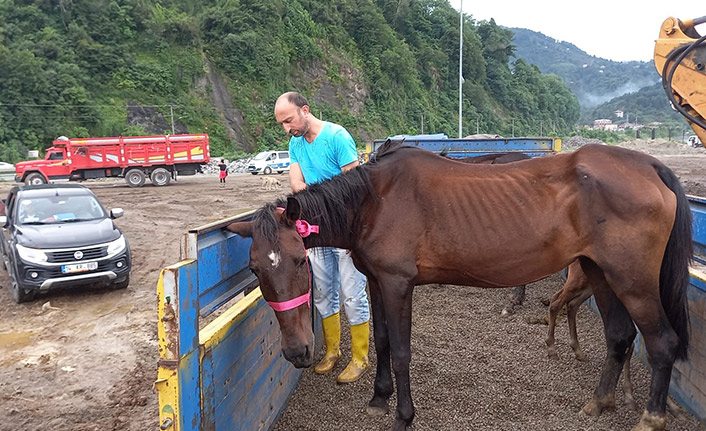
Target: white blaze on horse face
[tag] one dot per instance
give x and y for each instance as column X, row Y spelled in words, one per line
column 274, row 258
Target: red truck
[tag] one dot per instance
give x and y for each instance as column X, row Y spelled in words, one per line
column 134, row 158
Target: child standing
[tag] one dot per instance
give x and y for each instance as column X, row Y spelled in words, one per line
column 224, row 172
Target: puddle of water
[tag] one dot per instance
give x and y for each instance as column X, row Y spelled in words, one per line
column 15, row 340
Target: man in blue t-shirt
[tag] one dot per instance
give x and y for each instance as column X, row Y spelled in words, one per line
column 319, row 150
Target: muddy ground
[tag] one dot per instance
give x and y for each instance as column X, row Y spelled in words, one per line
column 86, row 359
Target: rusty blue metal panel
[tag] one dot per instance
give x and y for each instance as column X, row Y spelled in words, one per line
column 188, row 368
column 245, row 378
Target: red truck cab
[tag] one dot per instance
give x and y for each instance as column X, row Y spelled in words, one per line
column 55, row 166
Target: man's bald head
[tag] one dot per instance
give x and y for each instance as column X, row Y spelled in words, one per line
column 292, row 112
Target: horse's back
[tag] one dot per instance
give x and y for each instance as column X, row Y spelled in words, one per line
column 529, row 218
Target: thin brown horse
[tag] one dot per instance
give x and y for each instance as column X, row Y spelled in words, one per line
column 411, row 217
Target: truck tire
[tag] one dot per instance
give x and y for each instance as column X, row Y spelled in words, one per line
column 267, row 170
column 18, row 293
column 135, row 178
column 122, row 284
column 34, row 179
column 160, row 177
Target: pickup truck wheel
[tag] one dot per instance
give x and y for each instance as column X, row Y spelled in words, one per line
column 18, row 293
column 160, row 177
column 135, row 178
column 267, row 170
column 34, row 179
column 121, row 284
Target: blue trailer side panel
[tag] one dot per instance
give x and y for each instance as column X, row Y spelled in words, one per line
column 533, row 147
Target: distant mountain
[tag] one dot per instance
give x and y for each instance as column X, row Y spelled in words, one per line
column 593, row 80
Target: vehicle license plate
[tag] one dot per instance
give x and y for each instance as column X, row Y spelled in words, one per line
column 79, row 267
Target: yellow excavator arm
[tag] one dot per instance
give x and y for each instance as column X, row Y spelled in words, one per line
column 680, row 58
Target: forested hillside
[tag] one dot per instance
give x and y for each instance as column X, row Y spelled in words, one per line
column 126, row 67
column 593, row 80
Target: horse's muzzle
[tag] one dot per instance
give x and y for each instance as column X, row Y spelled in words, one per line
column 302, row 357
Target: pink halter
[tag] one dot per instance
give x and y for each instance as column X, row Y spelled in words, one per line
column 304, row 229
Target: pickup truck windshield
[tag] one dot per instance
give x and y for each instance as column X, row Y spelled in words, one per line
column 59, row 209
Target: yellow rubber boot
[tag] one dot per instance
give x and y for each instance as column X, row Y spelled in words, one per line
column 359, row 351
column 332, row 338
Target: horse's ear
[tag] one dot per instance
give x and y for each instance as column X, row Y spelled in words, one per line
column 243, row 228
column 293, row 211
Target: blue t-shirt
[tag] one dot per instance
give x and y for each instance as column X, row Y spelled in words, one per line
column 322, row 159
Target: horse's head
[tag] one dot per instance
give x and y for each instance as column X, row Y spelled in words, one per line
column 278, row 259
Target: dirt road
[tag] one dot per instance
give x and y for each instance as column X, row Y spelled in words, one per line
column 86, row 359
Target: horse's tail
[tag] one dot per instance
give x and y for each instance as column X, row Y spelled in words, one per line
column 674, row 273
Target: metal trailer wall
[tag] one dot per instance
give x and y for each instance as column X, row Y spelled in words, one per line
column 468, row 147
column 229, row 375
column 688, row 385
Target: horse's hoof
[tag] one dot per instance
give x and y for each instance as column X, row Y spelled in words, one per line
column 376, row 412
column 650, row 422
column 672, row 408
column 401, row 425
column 551, row 354
column 630, row 403
column 581, row 356
column 595, row 407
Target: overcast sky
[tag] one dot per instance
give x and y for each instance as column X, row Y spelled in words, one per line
column 619, row 30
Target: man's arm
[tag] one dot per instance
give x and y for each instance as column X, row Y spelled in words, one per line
column 349, row 166
column 296, row 178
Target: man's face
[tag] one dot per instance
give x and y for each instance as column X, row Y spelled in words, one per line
column 294, row 120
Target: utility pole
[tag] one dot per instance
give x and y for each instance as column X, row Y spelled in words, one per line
column 422, row 123
column 513, row 127
column 171, row 113
column 477, row 124
column 460, row 73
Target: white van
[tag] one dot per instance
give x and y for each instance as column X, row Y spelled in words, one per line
column 268, row 161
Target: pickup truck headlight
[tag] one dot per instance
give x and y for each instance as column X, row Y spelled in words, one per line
column 115, row 247
column 32, row 255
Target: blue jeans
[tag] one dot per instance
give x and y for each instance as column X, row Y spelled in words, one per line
column 334, row 276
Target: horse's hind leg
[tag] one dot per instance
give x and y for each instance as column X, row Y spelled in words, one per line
column 377, row 406
column 619, row 332
column 576, row 283
column 517, row 299
column 572, row 309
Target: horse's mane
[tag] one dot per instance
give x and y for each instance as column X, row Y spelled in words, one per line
column 327, row 204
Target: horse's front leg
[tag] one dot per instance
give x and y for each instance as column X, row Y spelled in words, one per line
column 377, row 406
column 397, row 298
